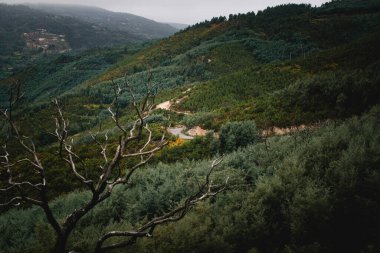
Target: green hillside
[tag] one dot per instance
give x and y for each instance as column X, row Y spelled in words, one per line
column 290, row 96
column 247, row 65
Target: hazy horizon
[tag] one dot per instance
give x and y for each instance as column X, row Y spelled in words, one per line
column 172, row 11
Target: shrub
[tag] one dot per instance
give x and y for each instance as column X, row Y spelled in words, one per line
column 234, row 135
column 204, row 119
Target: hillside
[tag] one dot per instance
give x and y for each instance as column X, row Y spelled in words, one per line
column 289, row 96
column 26, row 32
column 18, row 19
column 244, row 50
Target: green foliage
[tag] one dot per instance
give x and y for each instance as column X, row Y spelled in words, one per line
column 197, row 149
column 331, row 95
column 203, row 119
column 228, row 57
column 241, row 86
column 350, row 6
column 234, row 135
column 53, row 75
column 295, row 194
column 276, row 50
column 299, row 201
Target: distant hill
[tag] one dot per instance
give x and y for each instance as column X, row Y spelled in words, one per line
column 115, row 21
column 25, row 32
column 178, row 25
column 15, row 20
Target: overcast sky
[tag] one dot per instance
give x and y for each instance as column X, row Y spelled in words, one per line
column 179, row 11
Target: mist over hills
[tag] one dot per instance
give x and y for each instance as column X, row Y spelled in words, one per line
column 115, row 21
column 179, row 26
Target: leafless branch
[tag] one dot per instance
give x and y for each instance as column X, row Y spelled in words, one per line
column 103, row 147
column 28, row 146
column 110, row 175
column 207, row 190
column 61, row 132
column 118, row 91
column 16, row 201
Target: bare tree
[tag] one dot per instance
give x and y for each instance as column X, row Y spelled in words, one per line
column 35, row 191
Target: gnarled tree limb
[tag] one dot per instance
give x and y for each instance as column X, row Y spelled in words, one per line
column 206, row 190
column 109, row 176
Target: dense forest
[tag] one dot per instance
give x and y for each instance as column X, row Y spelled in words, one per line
column 289, row 97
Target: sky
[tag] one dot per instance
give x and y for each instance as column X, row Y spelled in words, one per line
column 177, row 11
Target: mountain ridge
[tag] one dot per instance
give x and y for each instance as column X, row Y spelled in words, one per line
column 115, row 21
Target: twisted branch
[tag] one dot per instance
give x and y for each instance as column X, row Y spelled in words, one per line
column 207, row 190
column 102, row 187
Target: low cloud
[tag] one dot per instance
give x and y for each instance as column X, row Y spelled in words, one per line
column 185, row 11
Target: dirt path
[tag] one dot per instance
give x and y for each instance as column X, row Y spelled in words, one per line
column 287, row 130
column 178, row 131
column 197, row 131
column 164, row 106
column 167, row 105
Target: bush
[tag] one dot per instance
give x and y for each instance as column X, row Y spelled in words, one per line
column 319, row 194
column 204, row 119
column 234, row 135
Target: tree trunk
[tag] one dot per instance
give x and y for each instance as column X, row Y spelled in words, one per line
column 60, row 244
